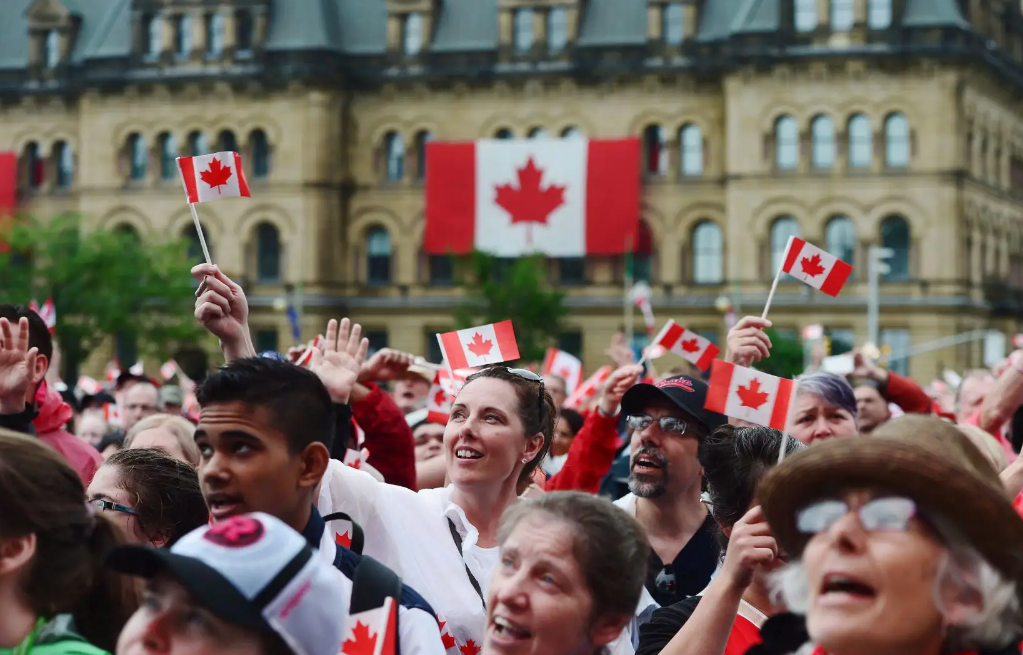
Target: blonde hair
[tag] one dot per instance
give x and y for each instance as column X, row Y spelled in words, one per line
column 178, row 426
column 988, row 445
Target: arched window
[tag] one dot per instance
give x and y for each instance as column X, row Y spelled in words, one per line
column 782, row 228
column 805, row 17
column 260, row 147
column 538, row 133
column 139, row 156
column 572, row 132
column 394, row 151
column 268, row 254
column 642, row 260
column 412, row 33
column 378, row 256
column 861, row 142
column 128, row 233
column 52, row 49
column 840, row 239
column 655, row 146
column 896, row 141
column 691, row 147
column 557, row 29
column 183, row 35
column 168, row 156
column 153, row 35
column 822, row 131
column 195, row 253
column 786, row 143
column 895, row 235
column 523, row 30
column 879, row 14
column 422, row 139
column 33, row 165
column 708, row 255
column 504, row 133
column 214, row 34
column 226, row 142
column 243, row 33
column 672, row 23
column 841, row 15
column 197, row 144
column 65, row 160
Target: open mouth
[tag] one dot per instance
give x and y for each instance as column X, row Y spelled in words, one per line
column 846, row 587
column 507, row 630
column 464, row 453
column 647, row 463
column 223, row 505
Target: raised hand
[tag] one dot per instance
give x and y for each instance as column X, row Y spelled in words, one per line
column 750, row 546
column 221, row 307
column 620, row 381
column 620, row 351
column 865, row 367
column 747, row 341
column 340, row 362
column 386, row 365
column 17, row 365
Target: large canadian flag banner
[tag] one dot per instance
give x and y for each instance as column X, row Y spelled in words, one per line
column 749, row 395
column 818, row 268
column 697, row 350
column 558, row 197
column 372, row 632
column 564, row 365
column 479, row 346
column 212, row 177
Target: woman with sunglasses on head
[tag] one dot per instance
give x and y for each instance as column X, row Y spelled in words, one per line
column 443, row 542
column 905, row 543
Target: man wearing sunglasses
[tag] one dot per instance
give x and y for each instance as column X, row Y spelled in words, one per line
column 666, row 422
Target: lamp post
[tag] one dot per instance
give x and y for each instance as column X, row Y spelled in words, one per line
column 876, row 267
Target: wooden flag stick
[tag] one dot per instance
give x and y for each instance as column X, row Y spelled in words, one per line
column 198, row 230
column 777, row 278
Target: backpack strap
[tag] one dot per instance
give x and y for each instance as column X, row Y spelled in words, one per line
column 372, row 585
column 358, row 538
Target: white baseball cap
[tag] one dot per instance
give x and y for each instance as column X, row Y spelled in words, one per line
column 253, row 571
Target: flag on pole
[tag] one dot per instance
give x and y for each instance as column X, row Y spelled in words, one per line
column 695, row 349
column 564, row 365
column 750, row 395
column 588, row 389
column 818, row 268
column 213, row 177
column 478, row 346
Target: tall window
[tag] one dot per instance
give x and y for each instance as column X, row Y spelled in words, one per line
column 422, row 139
column 557, row 29
column 879, row 14
column 243, row 33
column 805, row 17
column 655, row 146
column 168, row 156
column 153, row 35
column 708, row 255
column 572, row 271
column 65, row 165
column 226, row 142
column 260, row 148
column 672, row 23
column 840, row 239
column 691, row 147
column 412, row 33
column 268, row 254
column 195, row 253
column 538, row 133
column 197, row 144
column 842, row 15
column 441, row 270
column 861, row 142
column 378, row 257
column 896, row 141
column 394, row 152
column 822, row 131
column 139, row 156
column 523, row 30
column 52, row 49
column 895, row 235
column 35, row 167
column 183, row 35
column 786, row 143
column 643, row 257
column 781, row 230
column 267, row 340
column 504, row 134
column 214, row 34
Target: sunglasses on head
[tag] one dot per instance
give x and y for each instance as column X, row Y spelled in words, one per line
column 526, row 374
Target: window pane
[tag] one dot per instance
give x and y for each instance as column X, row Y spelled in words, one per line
column 65, row 166
column 197, row 144
column 523, row 30
column 266, row 340
column 707, row 253
column 806, row 15
column 842, row 340
column 504, row 133
column 395, row 147
column 377, row 340
column 260, row 154
column 214, row 34
column 896, row 131
column 895, row 235
column 433, row 352
column 781, row 230
column 840, row 239
column 378, row 256
column 786, row 135
column 557, row 29
column 692, row 151
column 139, row 157
column 879, row 14
column 442, row 270
column 243, row 33
column 422, row 139
column 52, row 49
column 841, row 15
column 168, row 156
column 655, row 144
column 268, row 254
column 572, row 343
column 184, row 35
column 898, row 342
column 195, row 253
column 572, row 270
column 227, row 142
column 861, row 142
column 823, row 133
column 412, row 38
column 672, row 25
column 154, row 36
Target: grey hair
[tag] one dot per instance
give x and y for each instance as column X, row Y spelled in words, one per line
column 832, row 389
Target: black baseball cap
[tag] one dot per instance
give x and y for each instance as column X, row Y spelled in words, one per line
column 687, row 393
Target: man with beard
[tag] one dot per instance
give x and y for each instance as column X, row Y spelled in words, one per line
column 667, row 421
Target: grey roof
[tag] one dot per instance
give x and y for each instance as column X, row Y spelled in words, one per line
column 757, row 16
column 309, row 24
column 13, row 34
column 927, row 13
column 716, row 21
column 613, row 23
column 105, row 28
column 466, row 26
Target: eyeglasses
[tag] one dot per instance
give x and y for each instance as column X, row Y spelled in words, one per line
column 890, row 514
column 526, row 374
column 665, row 581
column 108, row 506
column 666, row 423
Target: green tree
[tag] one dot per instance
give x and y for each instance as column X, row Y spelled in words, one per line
column 500, row 289
column 786, row 358
column 104, row 284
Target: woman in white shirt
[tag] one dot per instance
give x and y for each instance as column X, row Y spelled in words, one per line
column 443, row 542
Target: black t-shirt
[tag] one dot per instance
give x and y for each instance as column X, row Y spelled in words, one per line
column 691, row 569
column 665, row 623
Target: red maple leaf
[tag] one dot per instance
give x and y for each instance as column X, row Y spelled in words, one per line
column 470, row 648
column 343, row 539
column 480, row 346
column 440, row 398
column 565, row 373
column 752, row 396
column 362, row 642
column 812, row 265
column 445, row 636
column 217, row 175
column 691, row 346
column 529, row 202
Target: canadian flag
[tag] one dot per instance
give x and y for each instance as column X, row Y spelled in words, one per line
column 372, row 632
column 168, row 369
column 478, row 346
column 212, row 177
column 112, row 414
column 749, row 395
column 344, row 536
column 113, row 370
column 564, row 365
column 588, row 389
column 696, row 350
column 89, row 386
column 438, row 402
column 307, row 356
column 818, row 268
column 559, row 197
column 48, row 312
column 355, row 458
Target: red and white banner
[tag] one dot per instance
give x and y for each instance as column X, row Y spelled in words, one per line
column 47, row 312
column 168, row 369
column 479, row 346
column 695, row 349
column 372, row 632
column 588, row 389
column 559, row 197
column 749, row 395
column 89, row 386
column 818, row 268
column 564, row 365
column 214, row 176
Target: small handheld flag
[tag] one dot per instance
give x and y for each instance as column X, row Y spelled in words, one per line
column 211, row 177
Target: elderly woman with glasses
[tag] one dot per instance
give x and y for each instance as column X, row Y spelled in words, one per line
column 444, row 542
column 904, row 543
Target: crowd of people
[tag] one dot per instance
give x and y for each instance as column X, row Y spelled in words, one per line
column 313, row 506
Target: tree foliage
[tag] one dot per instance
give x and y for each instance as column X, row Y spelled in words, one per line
column 104, row 284
column 500, row 289
column 786, row 358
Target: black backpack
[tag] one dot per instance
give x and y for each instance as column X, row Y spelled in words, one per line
column 373, row 582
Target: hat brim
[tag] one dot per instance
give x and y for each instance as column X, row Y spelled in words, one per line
column 982, row 512
column 207, row 587
column 640, row 396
